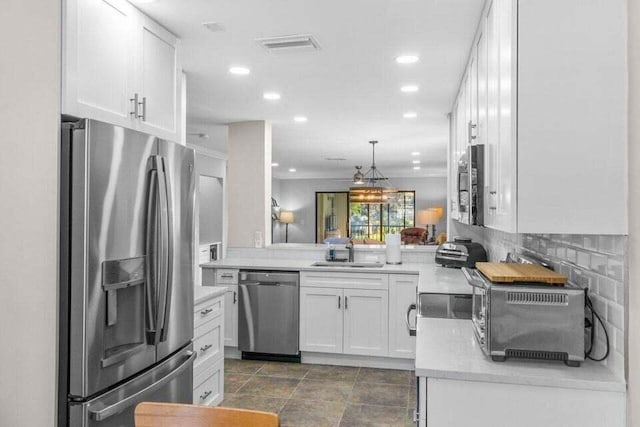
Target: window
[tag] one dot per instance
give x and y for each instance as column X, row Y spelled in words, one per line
column 374, row 221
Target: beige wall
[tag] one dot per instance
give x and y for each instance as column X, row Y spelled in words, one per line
column 29, row 116
column 633, row 309
column 249, row 182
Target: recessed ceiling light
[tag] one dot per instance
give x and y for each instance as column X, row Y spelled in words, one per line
column 292, row 169
column 407, row 59
column 239, row 71
column 409, row 88
column 271, row 96
column 415, row 162
column 415, row 153
column 410, row 115
column 300, row 119
column 416, row 168
column 275, row 165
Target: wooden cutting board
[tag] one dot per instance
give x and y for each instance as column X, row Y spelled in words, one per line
column 517, row 273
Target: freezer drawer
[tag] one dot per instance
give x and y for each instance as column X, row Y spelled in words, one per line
column 170, row 381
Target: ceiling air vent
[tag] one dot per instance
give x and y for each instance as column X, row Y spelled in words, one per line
column 285, row 44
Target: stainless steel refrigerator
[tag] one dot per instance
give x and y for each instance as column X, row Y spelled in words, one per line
column 126, row 276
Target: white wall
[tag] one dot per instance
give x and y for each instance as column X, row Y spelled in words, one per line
column 30, row 120
column 299, row 196
column 633, row 307
column 249, row 182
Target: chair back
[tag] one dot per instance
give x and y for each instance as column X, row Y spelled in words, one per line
column 152, row 414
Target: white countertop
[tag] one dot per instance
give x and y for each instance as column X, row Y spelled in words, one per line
column 204, row 293
column 432, row 278
column 447, row 348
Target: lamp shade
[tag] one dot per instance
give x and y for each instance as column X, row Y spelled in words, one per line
column 286, row 217
column 429, row 216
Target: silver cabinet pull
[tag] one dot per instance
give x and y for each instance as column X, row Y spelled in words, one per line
column 411, row 329
column 346, row 302
column 206, row 394
column 235, row 297
column 472, row 126
column 134, row 113
column 205, row 348
column 227, row 276
column 338, row 301
column 143, row 116
column 205, row 312
column 493, row 192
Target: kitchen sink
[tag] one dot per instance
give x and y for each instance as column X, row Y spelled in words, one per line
column 342, row 264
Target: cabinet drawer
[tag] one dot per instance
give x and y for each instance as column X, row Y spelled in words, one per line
column 208, row 343
column 208, row 387
column 208, row 310
column 344, row 280
column 226, row 276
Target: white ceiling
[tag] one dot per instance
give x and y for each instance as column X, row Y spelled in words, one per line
column 349, row 90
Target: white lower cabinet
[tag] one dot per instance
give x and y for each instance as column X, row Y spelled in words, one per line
column 321, row 320
column 403, row 289
column 208, row 343
column 366, row 322
column 231, row 316
column 345, row 314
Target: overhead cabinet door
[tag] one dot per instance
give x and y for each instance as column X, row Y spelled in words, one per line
column 98, row 60
column 158, row 74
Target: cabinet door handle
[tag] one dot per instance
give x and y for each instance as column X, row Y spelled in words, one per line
column 134, row 113
column 143, row 116
column 206, row 394
column 472, row 126
column 235, row 297
column 338, row 301
column 493, row 208
column 493, row 192
column 227, row 276
column 205, row 312
column 412, row 329
column 346, row 302
column 206, row 347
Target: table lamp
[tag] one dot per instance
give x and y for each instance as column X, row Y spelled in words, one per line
column 286, row 217
column 430, row 217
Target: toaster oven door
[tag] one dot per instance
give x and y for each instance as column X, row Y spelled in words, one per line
column 478, row 304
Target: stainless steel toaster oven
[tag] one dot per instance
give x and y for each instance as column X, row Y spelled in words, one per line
column 528, row 320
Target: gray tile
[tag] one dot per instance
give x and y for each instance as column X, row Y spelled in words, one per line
column 380, row 394
column 335, row 373
column 311, row 413
column 236, row 366
column 371, row 415
column 615, row 315
column 281, row 369
column 233, row 381
column 270, row 387
column 256, row 403
column 386, row 376
column 324, row 390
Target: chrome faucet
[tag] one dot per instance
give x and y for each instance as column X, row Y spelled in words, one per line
column 349, row 246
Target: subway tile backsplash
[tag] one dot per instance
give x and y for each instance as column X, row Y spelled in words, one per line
column 592, row 261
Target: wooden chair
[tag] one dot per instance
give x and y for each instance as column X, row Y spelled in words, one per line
column 152, row 414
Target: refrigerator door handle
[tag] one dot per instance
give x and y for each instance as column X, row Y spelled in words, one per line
column 164, row 300
column 151, row 261
column 142, row 395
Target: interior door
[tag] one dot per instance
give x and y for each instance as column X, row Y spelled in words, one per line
column 366, row 322
column 109, row 311
column 175, row 322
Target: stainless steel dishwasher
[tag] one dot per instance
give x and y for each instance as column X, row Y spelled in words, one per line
column 268, row 315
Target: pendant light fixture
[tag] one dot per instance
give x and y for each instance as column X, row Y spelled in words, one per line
column 372, row 186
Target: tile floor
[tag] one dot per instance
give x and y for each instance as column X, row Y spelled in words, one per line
column 319, row 395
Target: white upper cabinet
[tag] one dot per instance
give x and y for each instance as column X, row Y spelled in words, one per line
column 159, row 77
column 550, row 108
column 120, row 67
column 98, row 60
